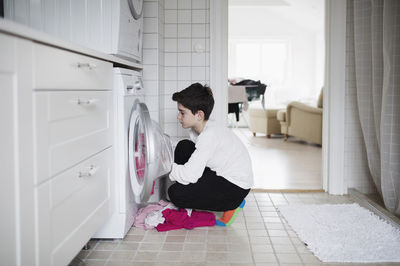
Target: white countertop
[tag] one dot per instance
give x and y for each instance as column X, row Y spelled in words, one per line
column 18, row 30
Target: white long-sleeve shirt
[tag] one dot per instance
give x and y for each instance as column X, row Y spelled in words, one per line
column 218, row 148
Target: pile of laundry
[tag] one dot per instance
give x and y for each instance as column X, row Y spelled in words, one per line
column 166, row 216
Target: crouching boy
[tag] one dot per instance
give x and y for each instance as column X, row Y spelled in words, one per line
column 212, row 170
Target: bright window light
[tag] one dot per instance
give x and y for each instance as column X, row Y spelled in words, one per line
column 274, row 57
column 248, row 60
column 265, row 60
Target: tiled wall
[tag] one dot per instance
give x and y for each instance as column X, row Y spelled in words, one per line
column 187, row 38
column 176, row 53
column 153, row 56
column 356, row 166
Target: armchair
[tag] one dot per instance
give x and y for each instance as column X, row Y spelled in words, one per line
column 302, row 121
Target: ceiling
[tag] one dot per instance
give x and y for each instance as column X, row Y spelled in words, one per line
column 307, row 13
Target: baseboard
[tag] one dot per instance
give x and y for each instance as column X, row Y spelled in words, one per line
column 286, row 190
column 369, row 204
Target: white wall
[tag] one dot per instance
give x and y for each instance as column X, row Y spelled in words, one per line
column 307, row 46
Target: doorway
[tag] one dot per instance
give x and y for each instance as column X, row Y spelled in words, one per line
column 281, row 44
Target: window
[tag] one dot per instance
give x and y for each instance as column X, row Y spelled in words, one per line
column 265, row 60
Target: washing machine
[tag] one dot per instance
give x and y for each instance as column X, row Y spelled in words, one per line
column 124, row 23
column 143, row 155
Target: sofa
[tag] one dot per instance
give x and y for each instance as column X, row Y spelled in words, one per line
column 302, row 121
column 264, row 121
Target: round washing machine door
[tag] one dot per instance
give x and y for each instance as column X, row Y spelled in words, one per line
column 136, row 8
column 149, row 150
column 139, row 151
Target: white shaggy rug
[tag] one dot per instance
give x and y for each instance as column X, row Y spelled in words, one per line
column 344, row 232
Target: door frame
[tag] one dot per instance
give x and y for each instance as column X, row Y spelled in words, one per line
column 333, row 130
column 219, row 58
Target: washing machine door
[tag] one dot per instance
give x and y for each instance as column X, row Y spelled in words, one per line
column 136, row 8
column 149, row 151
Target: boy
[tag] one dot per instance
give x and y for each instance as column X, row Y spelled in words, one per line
column 213, row 171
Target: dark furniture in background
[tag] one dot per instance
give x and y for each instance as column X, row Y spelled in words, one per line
column 254, row 90
column 2, row 8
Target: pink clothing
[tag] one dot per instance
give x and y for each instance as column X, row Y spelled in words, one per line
column 143, row 212
column 177, row 219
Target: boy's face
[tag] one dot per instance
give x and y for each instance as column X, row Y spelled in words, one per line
column 186, row 118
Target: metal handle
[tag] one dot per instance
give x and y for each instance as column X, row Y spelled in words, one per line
column 138, row 85
column 85, row 101
column 89, row 171
column 86, row 65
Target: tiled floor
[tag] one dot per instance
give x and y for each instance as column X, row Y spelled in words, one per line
column 259, row 236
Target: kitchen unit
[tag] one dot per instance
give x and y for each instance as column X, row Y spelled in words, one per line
column 57, row 145
column 108, row 26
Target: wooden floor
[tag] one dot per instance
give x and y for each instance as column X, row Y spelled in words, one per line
column 286, row 166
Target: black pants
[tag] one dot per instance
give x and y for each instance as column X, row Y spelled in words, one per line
column 210, row 192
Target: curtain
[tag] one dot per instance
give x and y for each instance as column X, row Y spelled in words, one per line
column 373, row 36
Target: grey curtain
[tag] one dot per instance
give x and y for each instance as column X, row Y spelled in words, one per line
column 373, row 33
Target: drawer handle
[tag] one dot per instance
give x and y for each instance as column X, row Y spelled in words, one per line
column 85, row 101
column 138, row 85
column 89, row 171
column 86, row 65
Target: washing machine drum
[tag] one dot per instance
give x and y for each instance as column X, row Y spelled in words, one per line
column 150, row 152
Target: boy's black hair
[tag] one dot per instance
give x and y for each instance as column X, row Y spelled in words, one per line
column 196, row 97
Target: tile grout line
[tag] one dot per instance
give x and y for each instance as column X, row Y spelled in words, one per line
column 284, row 222
column 266, row 229
column 290, row 238
column 248, row 236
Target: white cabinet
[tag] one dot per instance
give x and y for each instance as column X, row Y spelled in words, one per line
column 71, row 126
column 71, row 207
column 87, row 23
column 56, row 69
column 17, row 228
column 107, row 26
column 56, row 156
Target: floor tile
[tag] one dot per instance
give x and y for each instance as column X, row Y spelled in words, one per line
column 288, row 258
column 284, row 248
column 169, row 256
column 99, row 255
column 122, row 255
column 240, row 257
column 95, row 262
column 194, row 256
column 262, row 248
column 264, row 257
column 127, row 246
column 145, row 256
column 217, row 256
column 253, row 242
column 172, row 247
column 155, row 246
column 259, row 235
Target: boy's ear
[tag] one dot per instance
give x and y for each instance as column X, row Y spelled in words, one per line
column 200, row 114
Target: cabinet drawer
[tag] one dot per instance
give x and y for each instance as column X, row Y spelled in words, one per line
column 76, row 193
column 59, row 69
column 72, row 207
column 70, row 127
